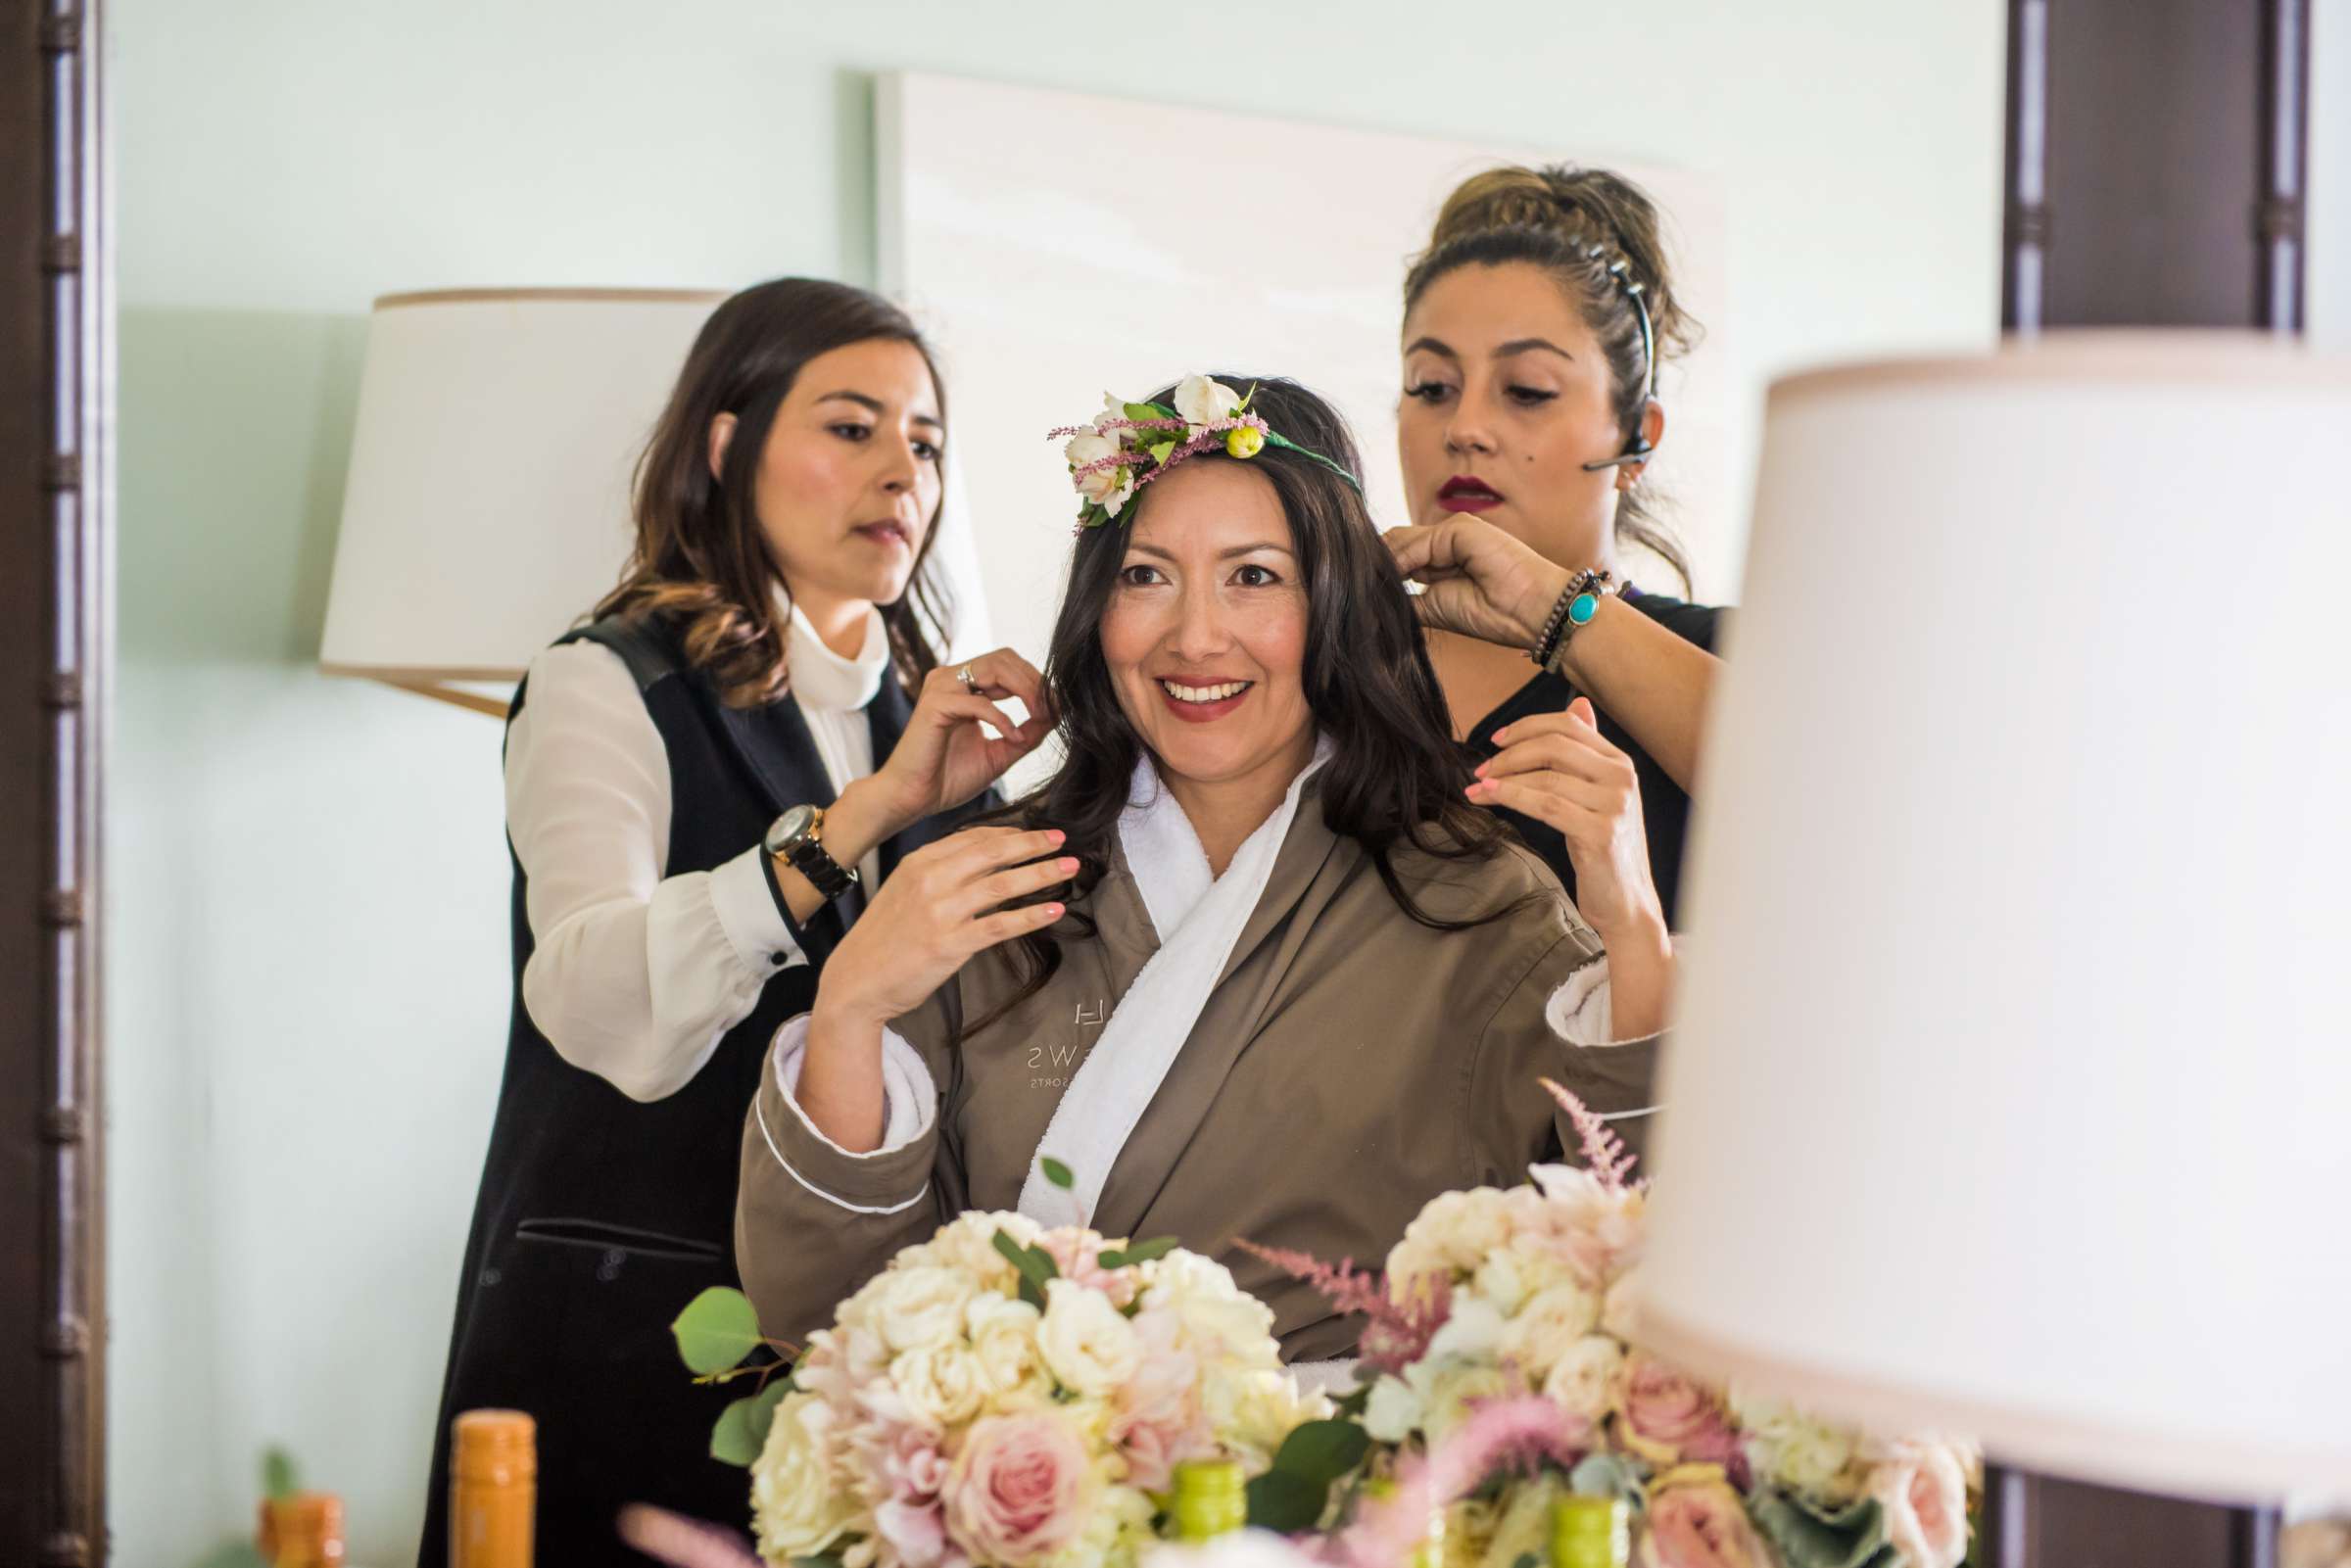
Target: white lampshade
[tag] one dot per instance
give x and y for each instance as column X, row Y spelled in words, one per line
column 487, row 505
column 2012, row 1089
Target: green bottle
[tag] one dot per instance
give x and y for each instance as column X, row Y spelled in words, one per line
column 1591, row 1533
column 1211, row 1500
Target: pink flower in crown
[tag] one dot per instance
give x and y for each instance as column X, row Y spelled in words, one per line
column 1078, row 1256
column 1020, row 1489
column 1667, row 1417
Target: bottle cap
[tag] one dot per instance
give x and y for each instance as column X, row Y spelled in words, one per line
column 493, row 1444
column 1594, row 1531
column 302, row 1529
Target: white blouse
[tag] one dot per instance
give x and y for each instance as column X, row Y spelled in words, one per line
column 637, row 975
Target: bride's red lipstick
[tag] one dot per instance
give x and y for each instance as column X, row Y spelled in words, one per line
column 1463, row 494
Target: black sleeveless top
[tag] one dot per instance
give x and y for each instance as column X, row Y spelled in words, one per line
column 1664, row 807
column 600, row 1216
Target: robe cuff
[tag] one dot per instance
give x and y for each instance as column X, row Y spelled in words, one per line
column 1622, row 1072
column 883, row 1181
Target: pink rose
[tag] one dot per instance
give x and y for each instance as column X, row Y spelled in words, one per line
column 1923, row 1489
column 1018, row 1490
column 1698, row 1522
column 1669, row 1417
column 1160, row 1420
column 1078, row 1256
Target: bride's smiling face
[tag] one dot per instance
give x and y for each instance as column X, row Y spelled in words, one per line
column 1205, row 633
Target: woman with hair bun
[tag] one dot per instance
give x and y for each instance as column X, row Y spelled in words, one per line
column 1534, row 326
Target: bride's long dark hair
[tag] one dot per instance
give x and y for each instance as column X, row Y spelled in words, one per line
column 1396, row 774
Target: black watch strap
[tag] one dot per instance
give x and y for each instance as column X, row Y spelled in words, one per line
column 804, row 852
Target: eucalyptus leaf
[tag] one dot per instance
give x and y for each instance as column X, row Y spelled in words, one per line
column 1035, row 1265
column 1319, row 1453
column 830, row 1559
column 742, row 1426
column 1282, row 1501
column 279, row 1479
column 1057, row 1173
column 1809, row 1536
column 718, row 1328
column 1144, row 1252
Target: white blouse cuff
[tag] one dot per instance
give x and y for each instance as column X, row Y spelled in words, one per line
column 909, row 1095
column 1580, row 1010
column 747, row 912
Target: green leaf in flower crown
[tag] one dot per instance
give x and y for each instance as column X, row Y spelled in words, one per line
column 718, row 1328
column 743, row 1427
column 1150, row 411
column 278, row 1476
column 1808, row 1536
column 1057, row 1173
column 1159, row 450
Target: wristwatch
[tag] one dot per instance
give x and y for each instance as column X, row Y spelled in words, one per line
column 793, row 838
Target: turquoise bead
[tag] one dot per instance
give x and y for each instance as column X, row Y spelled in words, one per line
column 1586, row 605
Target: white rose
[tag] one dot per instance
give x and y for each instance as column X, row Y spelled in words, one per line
column 1110, row 486
column 1410, row 1262
column 1474, row 1333
column 1620, row 1312
column 1551, row 1320
column 795, row 1507
column 918, row 1306
column 1088, row 1347
column 1463, row 1226
column 1502, row 1280
column 1791, row 1449
column 1393, row 1412
column 1214, row 1317
column 969, row 1243
column 1203, row 402
column 941, row 1383
column 1452, row 1393
column 1583, row 1380
column 1003, row 1334
column 1252, row 1411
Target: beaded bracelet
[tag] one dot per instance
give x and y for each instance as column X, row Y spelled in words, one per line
column 1575, row 608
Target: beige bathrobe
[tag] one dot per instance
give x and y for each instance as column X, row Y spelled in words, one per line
column 1348, row 1065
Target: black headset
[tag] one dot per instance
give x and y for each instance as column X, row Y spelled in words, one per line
column 1640, row 448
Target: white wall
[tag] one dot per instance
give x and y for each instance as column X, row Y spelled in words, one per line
column 309, row 982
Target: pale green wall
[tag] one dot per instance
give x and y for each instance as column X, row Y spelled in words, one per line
column 309, row 980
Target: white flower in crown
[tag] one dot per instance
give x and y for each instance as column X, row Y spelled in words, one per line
column 1204, row 402
column 1109, row 486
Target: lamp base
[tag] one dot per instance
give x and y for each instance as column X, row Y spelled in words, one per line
column 2039, row 1520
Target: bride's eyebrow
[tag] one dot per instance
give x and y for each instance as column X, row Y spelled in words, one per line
column 1139, row 548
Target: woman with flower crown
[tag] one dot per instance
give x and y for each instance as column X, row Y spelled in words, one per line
column 1253, row 965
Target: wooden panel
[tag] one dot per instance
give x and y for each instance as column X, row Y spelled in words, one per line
column 2155, row 163
column 55, row 334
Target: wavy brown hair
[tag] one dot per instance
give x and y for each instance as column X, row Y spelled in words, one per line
column 1396, row 774
column 1553, row 218
column 701, row 561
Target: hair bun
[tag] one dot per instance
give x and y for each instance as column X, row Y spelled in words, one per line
column 1592, row 206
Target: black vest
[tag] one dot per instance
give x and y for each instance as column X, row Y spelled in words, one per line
column 599, row 1216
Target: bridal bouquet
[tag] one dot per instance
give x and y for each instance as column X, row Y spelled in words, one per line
column 1507, row 1329
column 1005, row 1395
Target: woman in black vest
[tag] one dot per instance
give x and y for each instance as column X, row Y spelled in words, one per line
column 1534, row 325
column 702, row 785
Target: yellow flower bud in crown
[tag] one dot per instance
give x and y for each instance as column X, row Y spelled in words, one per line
column 1243, row 442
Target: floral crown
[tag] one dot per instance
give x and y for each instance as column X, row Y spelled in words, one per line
column 1132, row 444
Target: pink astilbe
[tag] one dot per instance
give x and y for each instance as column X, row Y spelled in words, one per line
column 1396, row 1333
column 1516, row 1433
column 1604, row 1152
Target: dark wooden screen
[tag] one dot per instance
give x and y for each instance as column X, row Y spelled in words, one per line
column 55, row 355
column 2156, row 178
column 2156, row 162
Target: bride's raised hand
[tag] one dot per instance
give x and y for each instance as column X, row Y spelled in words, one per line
column 945, row 903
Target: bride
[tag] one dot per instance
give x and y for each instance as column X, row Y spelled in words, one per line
column 1256, row 964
